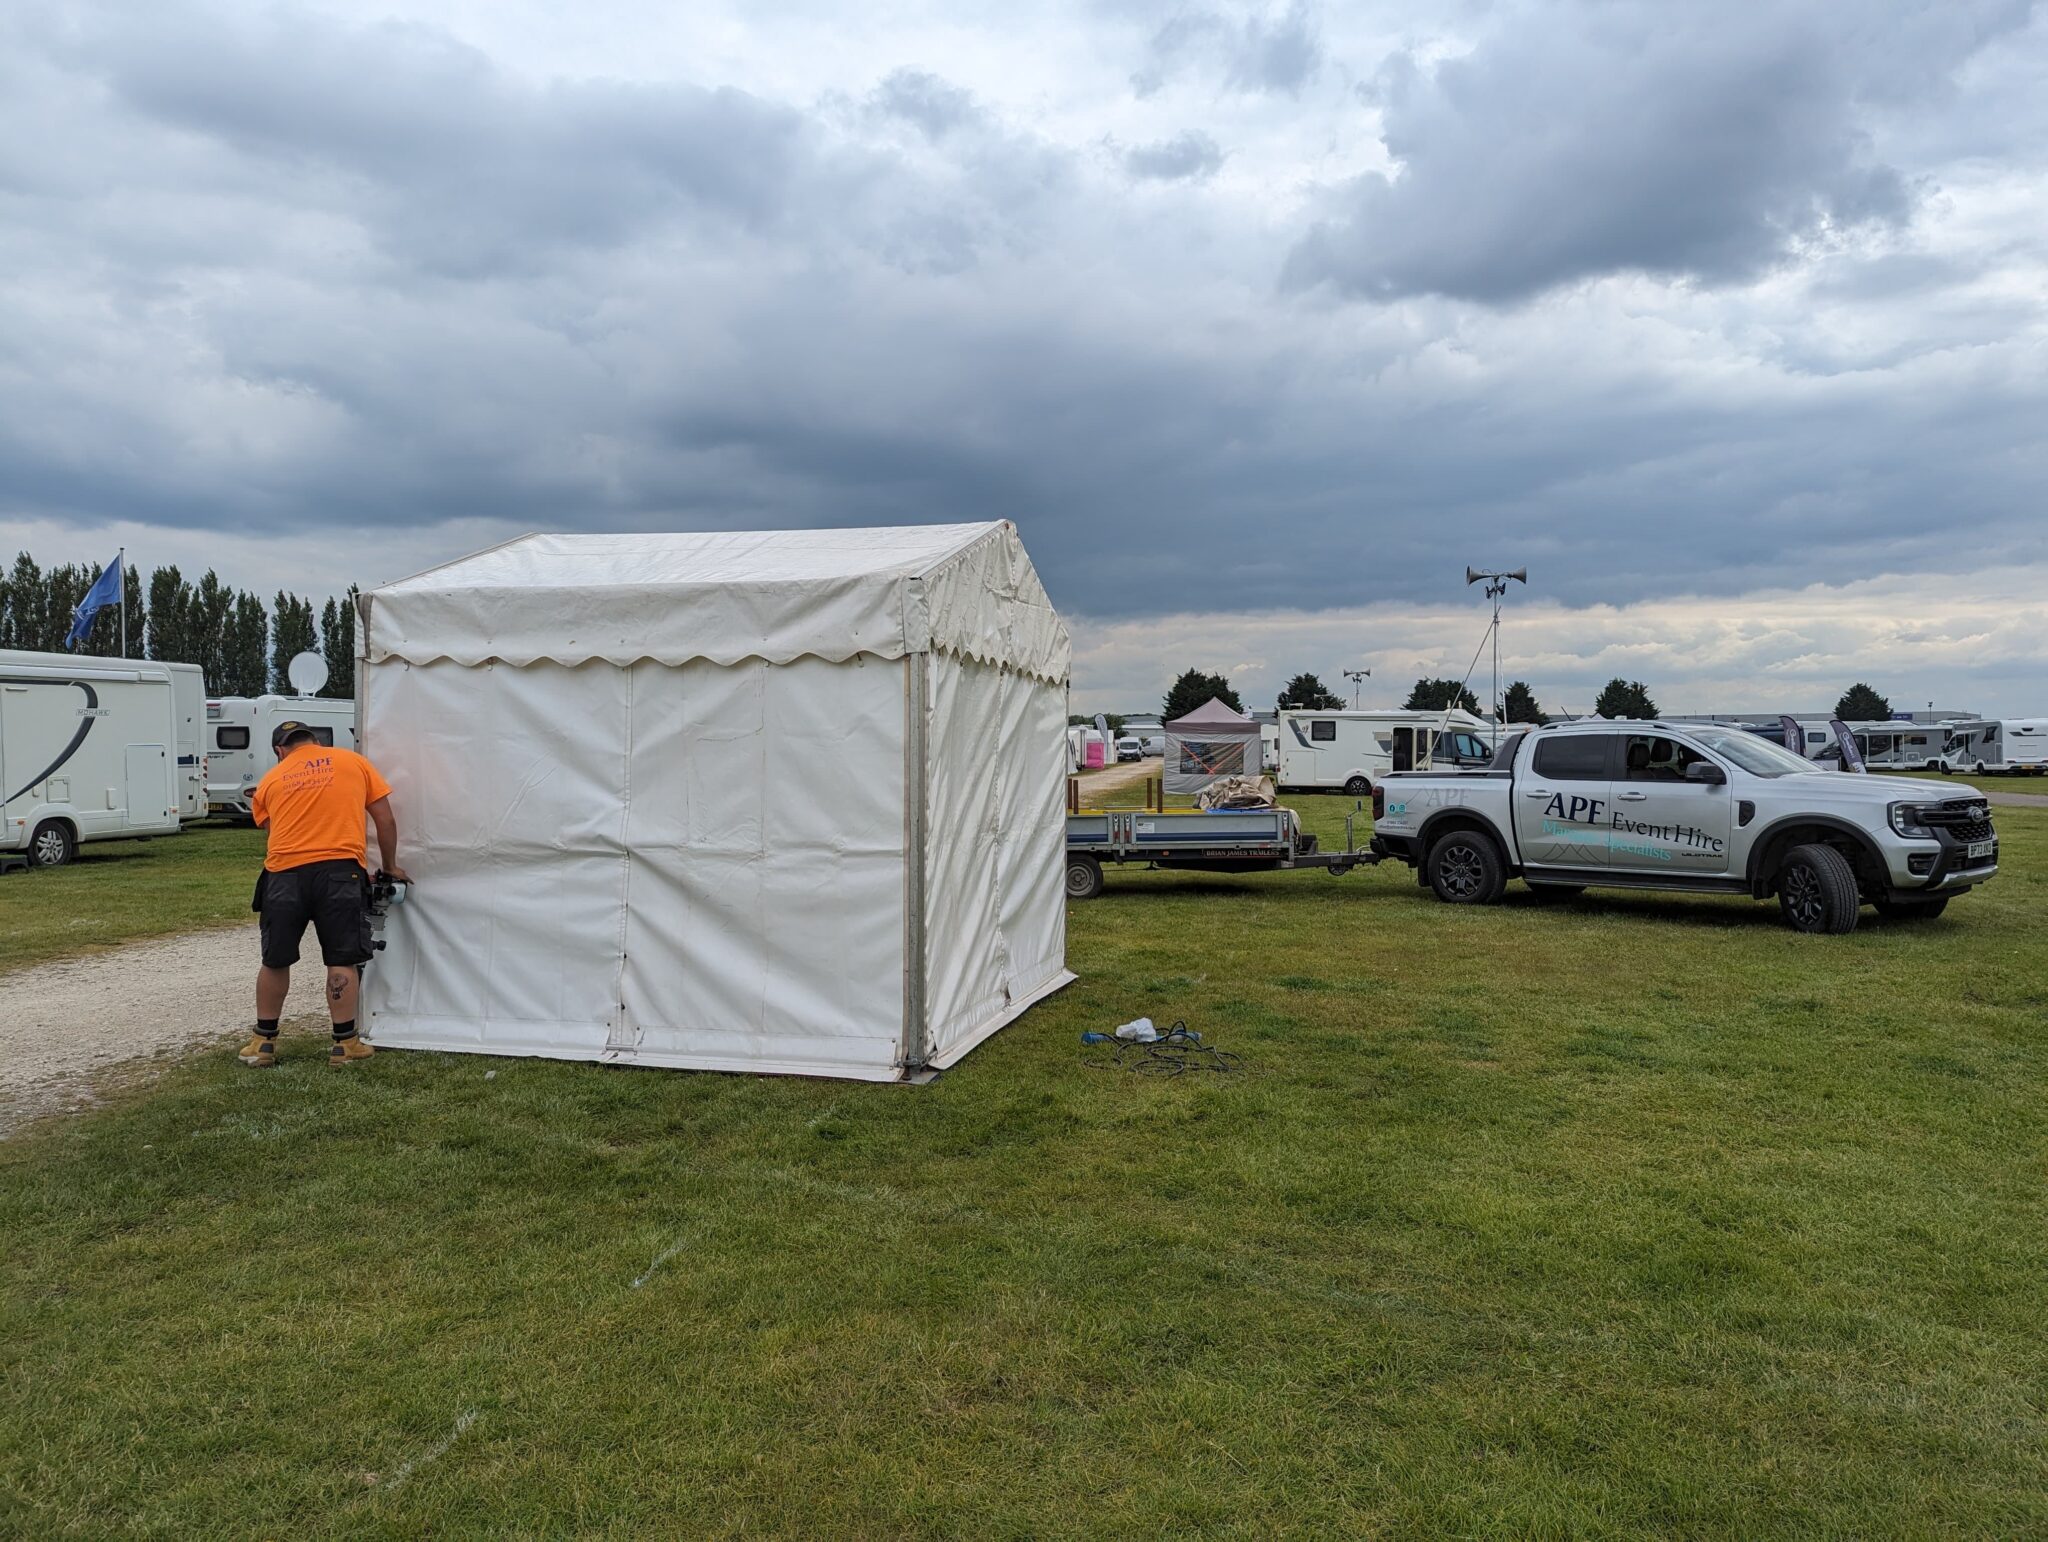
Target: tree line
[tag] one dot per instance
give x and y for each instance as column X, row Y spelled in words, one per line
column 1619, row 698
column 240, row 644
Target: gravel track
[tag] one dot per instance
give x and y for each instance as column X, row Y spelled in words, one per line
column 64, row 1024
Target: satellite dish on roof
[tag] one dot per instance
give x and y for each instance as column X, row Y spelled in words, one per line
column 307, row 672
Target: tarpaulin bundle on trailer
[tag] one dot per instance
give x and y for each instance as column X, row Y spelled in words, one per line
column 1212, row 742
column 758, row 801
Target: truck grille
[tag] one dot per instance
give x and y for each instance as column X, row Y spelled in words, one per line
column 1967, row 819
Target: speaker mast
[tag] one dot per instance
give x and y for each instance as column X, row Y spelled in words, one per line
column 1496, row 587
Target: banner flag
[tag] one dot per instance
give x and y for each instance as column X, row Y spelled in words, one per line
column 1852, row 757
column 106, row 590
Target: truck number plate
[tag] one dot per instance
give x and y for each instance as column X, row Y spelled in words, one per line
column 1981, row 848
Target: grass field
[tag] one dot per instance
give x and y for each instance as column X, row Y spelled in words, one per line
column 1628, row 1216
column 122, row 891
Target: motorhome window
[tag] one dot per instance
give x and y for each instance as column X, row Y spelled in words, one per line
column 231, row 738
column 1816, row 738
column 1652, row 758
column 324, row 736
column 1323, row 731
column 1573, row 757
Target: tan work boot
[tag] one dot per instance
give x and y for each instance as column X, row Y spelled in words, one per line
column 348, row 1050
column 259, row 1051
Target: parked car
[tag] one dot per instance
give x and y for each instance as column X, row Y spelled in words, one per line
column 1701, row 808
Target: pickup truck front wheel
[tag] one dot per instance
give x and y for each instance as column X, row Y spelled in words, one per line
column 1817, row 890
column 1465, row 868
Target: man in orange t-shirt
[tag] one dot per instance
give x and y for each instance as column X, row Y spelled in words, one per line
column 313, row 803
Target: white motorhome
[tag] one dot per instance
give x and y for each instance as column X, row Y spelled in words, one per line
column 1353, row 750
column 188, row 704
column 238, row 730
column 1888, row 745
column 1985, row 745
column 88, row 752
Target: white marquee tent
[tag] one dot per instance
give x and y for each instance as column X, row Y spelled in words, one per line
column 754, row 801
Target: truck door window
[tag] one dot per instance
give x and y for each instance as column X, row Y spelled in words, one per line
column 1323, row 731
column 1573, row 758
column 1653, row 758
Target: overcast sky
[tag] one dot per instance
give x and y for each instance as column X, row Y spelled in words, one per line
column 1729, row 321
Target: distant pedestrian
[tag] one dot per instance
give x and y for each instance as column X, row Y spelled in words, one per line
column 313, row 802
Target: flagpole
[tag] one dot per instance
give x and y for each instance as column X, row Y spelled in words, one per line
column 122, row 558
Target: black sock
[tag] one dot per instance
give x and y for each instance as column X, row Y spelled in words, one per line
column 266, row 1027
column 345, row 1030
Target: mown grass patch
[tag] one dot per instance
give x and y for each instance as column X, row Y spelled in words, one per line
column 1641, row 1215
column 125, row 891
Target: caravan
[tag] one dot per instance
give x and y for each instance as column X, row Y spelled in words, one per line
column 1985, row 745
column 238, row 730
column 1353, row 750
column 88, row 751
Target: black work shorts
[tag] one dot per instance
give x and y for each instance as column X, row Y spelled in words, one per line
column 334, row 896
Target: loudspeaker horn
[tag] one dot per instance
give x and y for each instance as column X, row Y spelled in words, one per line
column 1519, row 573
column 1473, row 575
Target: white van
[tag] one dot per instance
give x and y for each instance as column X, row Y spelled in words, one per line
column 2015, row 744
column 1353, row 750
column 238, row 730
column 88, row 751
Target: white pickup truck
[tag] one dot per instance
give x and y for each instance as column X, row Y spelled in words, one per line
column 1696, row 807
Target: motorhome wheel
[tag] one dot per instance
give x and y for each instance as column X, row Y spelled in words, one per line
column 52, row 845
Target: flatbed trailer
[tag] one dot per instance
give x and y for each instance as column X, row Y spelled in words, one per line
column 1263, row 840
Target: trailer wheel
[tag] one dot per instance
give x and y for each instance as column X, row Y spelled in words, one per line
column 53, row 844
column 1817, row 890
column 1084, row 876
column 1465, row 868
column 1358, row 787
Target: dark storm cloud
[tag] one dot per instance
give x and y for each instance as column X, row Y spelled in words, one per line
column 453, row 164
column 1672, row 137
column 1189, row 155
column 272, row 274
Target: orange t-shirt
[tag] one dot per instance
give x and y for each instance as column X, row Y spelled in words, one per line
column 313, row 804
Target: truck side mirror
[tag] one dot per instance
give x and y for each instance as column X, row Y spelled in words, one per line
column 1706, row 771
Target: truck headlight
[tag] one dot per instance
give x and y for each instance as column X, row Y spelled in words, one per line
column 1906, row 821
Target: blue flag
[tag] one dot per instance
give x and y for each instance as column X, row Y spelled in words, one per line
column 106, row 590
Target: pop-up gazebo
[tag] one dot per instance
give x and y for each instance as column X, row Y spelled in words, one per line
column 1209, row 743
column 767, row 801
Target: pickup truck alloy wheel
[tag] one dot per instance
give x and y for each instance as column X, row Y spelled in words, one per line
column 1084, row 877
column 51, row 845
column 1817, row 890
column 1465, row 869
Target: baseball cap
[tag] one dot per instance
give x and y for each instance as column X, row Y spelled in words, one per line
column 285, row 730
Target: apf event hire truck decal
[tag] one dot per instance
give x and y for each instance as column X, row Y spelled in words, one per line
column 1571, row 815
